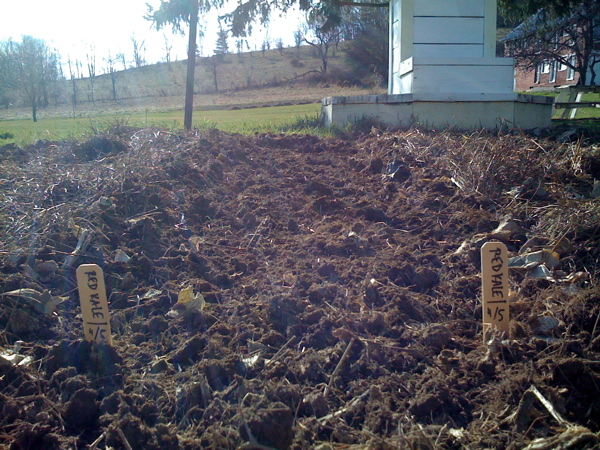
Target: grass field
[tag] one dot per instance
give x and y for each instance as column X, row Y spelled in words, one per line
column 25, row 131
column 252, row 88
column 589, row 113
column 582, row 113
column 301, row 118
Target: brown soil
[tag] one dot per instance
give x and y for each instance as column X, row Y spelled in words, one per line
column 341, row 286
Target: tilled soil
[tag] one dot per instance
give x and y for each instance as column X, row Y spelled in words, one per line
column 336, row 285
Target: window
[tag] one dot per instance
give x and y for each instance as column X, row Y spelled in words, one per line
column 552, row 77
column 570, row 71
column 545, row 67
column 555, row 41
column 536, row 74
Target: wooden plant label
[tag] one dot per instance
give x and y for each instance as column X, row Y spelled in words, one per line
column 494, row 275
column 94, row 306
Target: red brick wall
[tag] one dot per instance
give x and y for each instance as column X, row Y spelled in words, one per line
column 525, row 80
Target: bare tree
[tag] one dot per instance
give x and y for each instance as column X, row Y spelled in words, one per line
column 121, row 59
column 112, row 71
column 213, row 63
column 168, row 48
column 325, row 38
column 266, row 45
column 7, row 91
column 72, row 65
column 90, row 57
column 567, row 37
column 240, row 44
column 279, row 44
column 30, row 68
column 299, row 37
column 139, row 52
column 248, row 73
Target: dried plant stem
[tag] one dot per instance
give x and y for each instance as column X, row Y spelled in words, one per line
column 339, row 366
column 99, row 439
column 595, row 326
column 280, row 351
column 124, row 439
column 348, row 405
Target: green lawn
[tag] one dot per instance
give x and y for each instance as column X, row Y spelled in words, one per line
column 589, row 113
column 241, row 121
column 582, row 113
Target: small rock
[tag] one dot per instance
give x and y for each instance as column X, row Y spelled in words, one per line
column 544, row 326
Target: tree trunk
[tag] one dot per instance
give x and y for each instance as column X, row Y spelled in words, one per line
column 214, row 68
column 191, row 67
column 74, row 92
column 34, row 111
column 113, row 79
column 583, row 69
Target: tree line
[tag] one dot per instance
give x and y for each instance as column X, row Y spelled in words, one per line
column 30, row 70
column 31, row 73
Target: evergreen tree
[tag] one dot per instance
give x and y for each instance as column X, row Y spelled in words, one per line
column 222, row 46
column 177, row 13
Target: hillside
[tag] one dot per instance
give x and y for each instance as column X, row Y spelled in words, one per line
column 244, row 80
column 292, row 292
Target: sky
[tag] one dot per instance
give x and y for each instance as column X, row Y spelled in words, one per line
column 75, row 27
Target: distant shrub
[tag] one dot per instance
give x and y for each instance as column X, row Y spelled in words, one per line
column 334, row 76
column 344, row 78
column 305, row 124
column 296, row 63
column 365, row 125
column 368, row 54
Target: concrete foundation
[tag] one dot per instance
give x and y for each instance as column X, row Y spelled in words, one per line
column 440, row 111
column 444, row 73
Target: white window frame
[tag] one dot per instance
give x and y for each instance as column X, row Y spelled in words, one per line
column 555, row 41
column 570, row 71
column 552, row 76
column 545, row 67
column 536, row 74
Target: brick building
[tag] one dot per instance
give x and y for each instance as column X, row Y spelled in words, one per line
column 548, row 73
